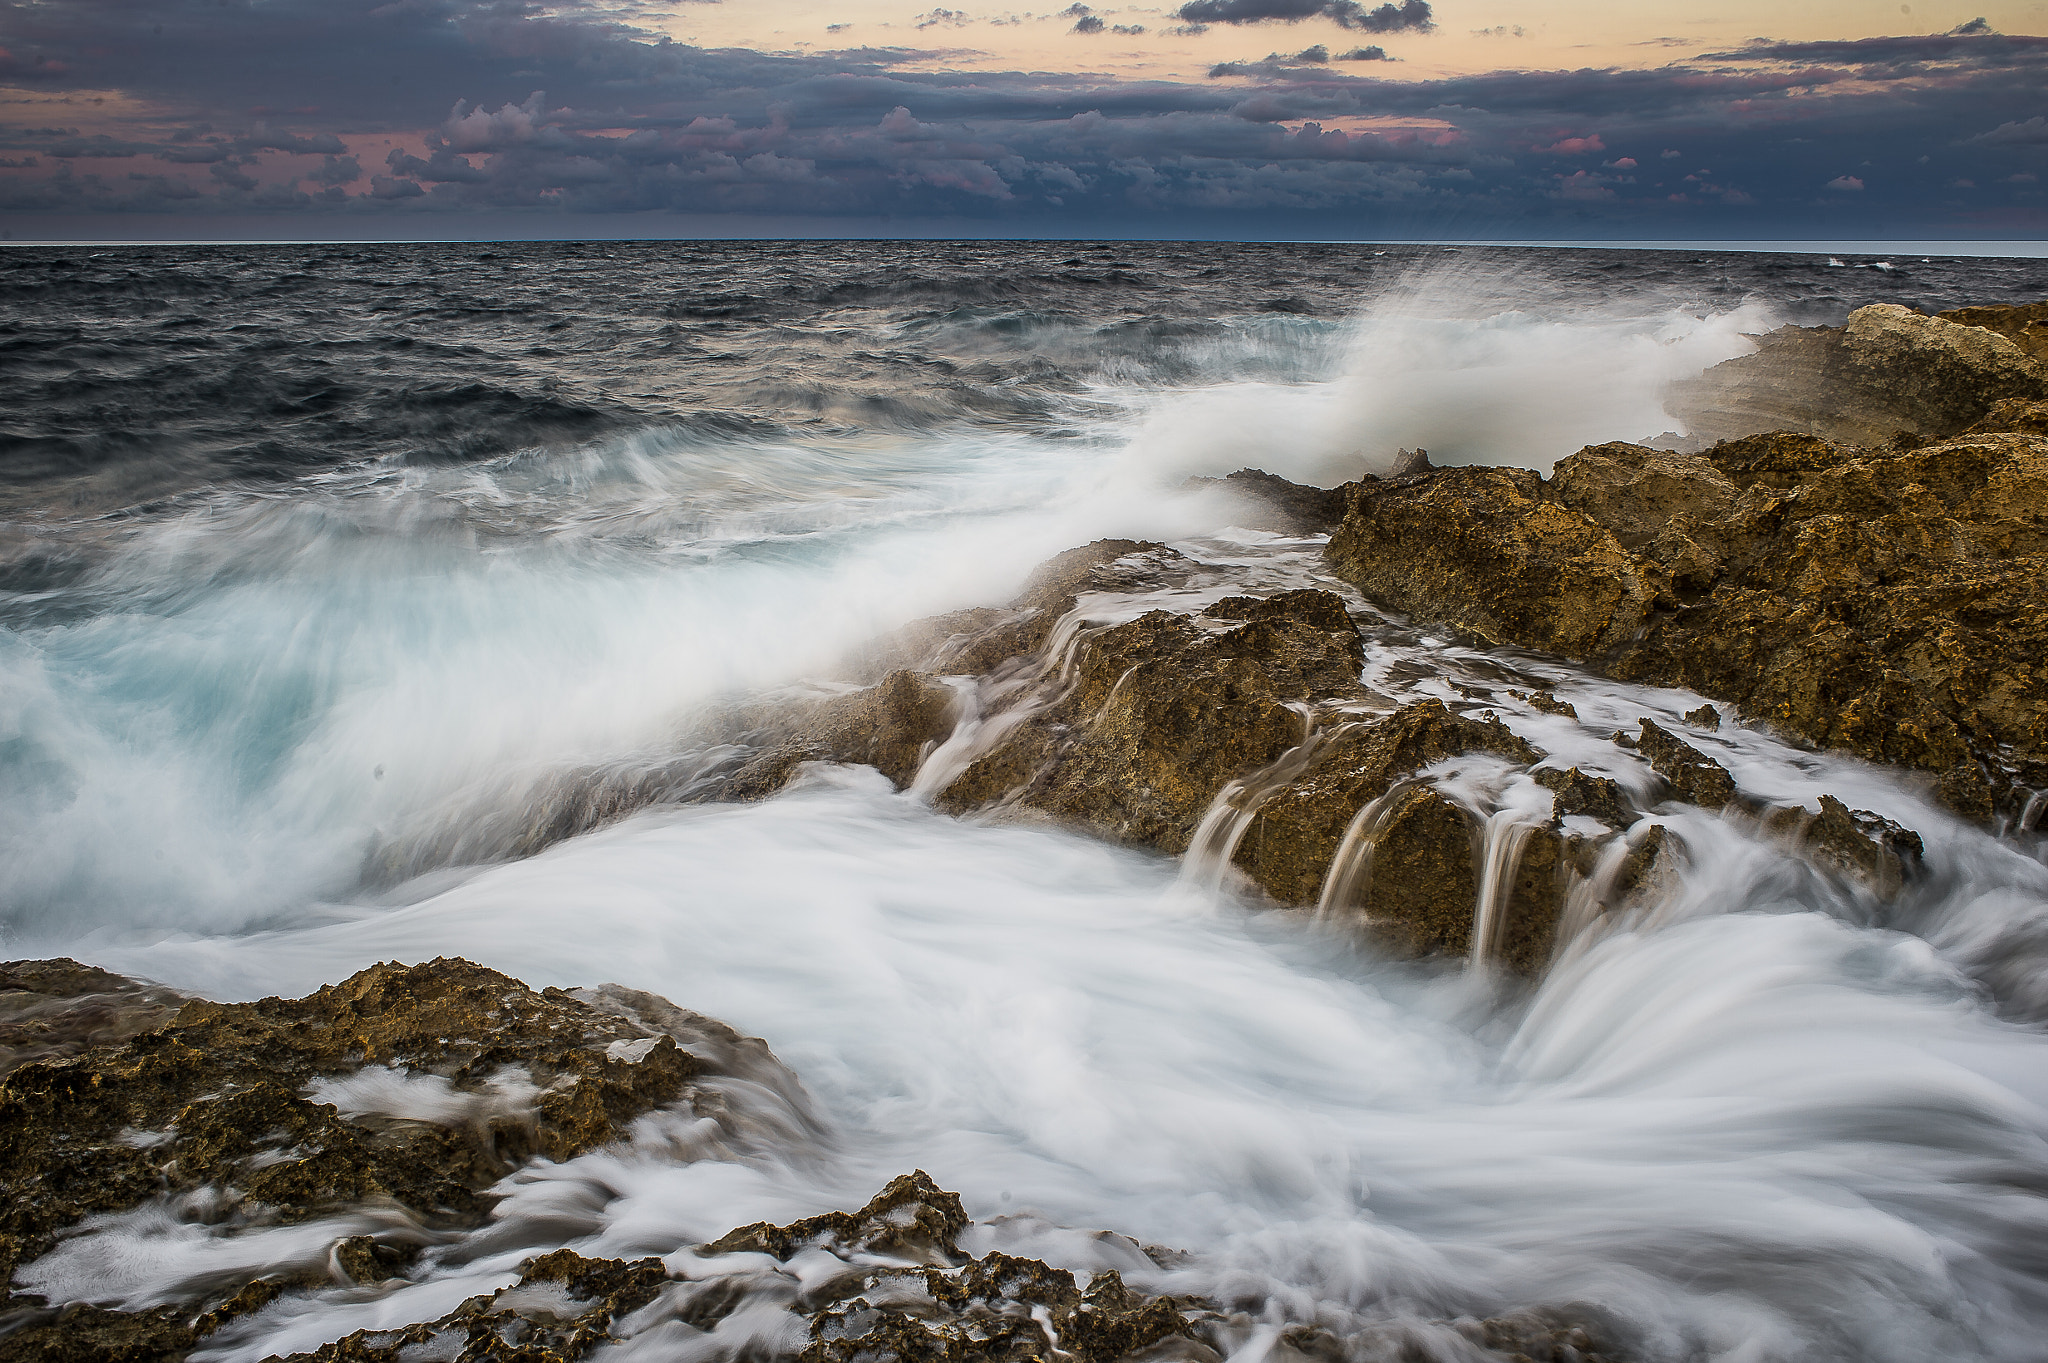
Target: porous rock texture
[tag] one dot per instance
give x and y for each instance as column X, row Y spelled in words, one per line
column 1882, row 600
column 223, row 1099
column 1888, row 370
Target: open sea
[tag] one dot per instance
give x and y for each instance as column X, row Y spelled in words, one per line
column 318, row 564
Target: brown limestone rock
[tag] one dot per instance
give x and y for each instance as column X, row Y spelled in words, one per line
column 1635, row 491
column 2026, row 326
column 1694, row 776
column 1422, row 884
column 913, row 1218
column 1485, row 549
column 1854, row 845
column 1890, row 369
column 1596, row 797
column 56, row 1009
column 1162, row 710
column 220, row 1096
column 1288, row 846
column 561, row 1309
column 1880, row 601
column 2016, row 416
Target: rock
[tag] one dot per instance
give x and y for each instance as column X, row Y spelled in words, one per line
column 1855, row 845
column 1549, row 704
column 890, row 726
column 1890, row 369
column 1595, row 797
column 56, row 1009
column 1694, row 776
column 2025, row 326
column 1487, row 550
column 1422, row 883
column 1635, row 492
column 912, row 1218
column 1289, row 843
column 1151, row 717
column 1706, row 717
column 1878, row 601
column 1409, row 462
column 996, row 1307
column 2016, row 416
column 254, row 1100
column 561, row 1309
column 1273, row 503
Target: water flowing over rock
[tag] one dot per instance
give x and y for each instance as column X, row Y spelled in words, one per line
column 1877, row 600
column 412, row 1088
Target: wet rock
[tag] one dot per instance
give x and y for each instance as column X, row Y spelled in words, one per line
column 912, row 1218
column 274, row 1106
column 56, row 1009
column 1289, row 844
column 890, row 726
column 1485, row 549
column 1855, row 845
column 1595, row 797
column 1421, row 883
column 1647, row 868
column 1694, row 776
column 1549, row 704
column 1873, row 600
column 1151, row 717
column 1706, row 717
column 563, row 1307
column 1273, row 503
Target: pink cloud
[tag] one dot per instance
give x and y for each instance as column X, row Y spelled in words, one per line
column 1574, row 146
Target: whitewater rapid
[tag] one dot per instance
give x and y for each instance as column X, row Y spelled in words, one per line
column 1767, row 1118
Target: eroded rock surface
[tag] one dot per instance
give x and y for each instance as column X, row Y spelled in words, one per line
column 1888, row 370
column 1877, row 600
column 413, row 1088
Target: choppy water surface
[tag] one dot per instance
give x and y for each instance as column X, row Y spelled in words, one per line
column 314, row 552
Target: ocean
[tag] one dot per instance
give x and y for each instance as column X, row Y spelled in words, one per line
column 324, row 569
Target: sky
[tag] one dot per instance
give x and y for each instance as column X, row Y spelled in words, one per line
column 1347, row 119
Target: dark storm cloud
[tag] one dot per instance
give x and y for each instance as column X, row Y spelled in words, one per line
column 504, row 107
column 1387, row 18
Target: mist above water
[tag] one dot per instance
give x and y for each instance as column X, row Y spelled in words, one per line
column 1765, row 1118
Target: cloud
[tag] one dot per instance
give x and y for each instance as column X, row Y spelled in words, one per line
column 496, row 107
column 1847, row 184
column 2034, row 130
column 1387, row 18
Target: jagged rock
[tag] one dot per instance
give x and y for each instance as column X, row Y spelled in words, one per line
column 561, row 1309
column 1878, row 601
column 1154, row 715
column 1706, row 717
column 1549, row 704
column 1421, row 884
column 56, row 1009
column 2016, row 416
column 1408, row 462
column 1856, row 845
column 1636, row 492
column 1596, row 797
column 242, row 1098
column 1693, row 775
column 2026, row 326
column 1889, row 369
column 1273, row 503
column 1290, row 841
column 912, row 1218
column 1485, row 549
column 889, row 726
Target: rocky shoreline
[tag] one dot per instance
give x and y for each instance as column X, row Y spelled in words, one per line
column 1863, row 580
